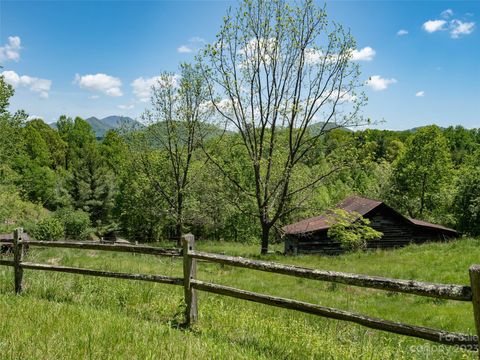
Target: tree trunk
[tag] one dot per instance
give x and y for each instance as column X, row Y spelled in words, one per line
column 179, row 220
column 265, row 238
column 178, row 232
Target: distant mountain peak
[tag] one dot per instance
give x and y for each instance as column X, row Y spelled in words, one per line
column 101, row 126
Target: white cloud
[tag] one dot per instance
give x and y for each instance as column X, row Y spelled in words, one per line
column 402, row 32
column 194, row 44
column 11, row 50
column 365, row 54
column 420, row 93
column 93, row 97
column 142, row 87
column 33, row 117
column 459, row 28
column 314, row 56
column 377, row 83
column 184, row 49
column 263, row 47
column 455, row 27
column 40, row 86
column 126, row 106
column 431, row 26
column 197, row 39
column 446, row 13
column 103, row 83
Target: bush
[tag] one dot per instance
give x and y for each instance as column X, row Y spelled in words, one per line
column 75, row 222
column 351, row 230
column 16, row 212
column 49, row 228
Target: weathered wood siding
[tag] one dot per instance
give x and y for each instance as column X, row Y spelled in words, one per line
column 397, row 232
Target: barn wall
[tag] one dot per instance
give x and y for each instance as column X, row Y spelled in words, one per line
column 397, row 232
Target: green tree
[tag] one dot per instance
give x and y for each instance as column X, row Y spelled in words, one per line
column 141, row 209
column 351, row 229
column 91, row 182
column 176, row 128
column 272, row 75
column 40, row 165
column 6, row 92
column 92, row 186
column 467, row 197
column 423, row 173
column 11, row 139
column 44, row 144
column 462, row 142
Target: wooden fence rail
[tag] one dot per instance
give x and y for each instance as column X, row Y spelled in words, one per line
column 136, row 249
column 441, row 291
column 102, row 273
column 191, row 284
column 435, row 335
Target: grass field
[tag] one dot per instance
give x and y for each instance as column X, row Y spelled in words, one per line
column 63, row 316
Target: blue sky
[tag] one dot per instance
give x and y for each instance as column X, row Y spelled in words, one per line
column 98, row 58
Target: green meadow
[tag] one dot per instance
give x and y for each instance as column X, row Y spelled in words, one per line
column 64, row 316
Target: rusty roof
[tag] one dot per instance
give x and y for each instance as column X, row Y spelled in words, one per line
column 356, row 204
column 430, row 225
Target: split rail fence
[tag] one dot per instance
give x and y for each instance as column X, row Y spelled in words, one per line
column 191, row 285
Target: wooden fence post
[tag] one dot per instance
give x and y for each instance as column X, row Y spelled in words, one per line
column 17, row 258
column 189, row 272
column 475, row 285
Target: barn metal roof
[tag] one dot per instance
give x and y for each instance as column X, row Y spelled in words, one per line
column 356, row 204
column 430, row 225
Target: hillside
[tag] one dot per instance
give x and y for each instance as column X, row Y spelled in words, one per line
column 317, row 127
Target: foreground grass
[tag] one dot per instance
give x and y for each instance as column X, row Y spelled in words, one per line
column 63, row 316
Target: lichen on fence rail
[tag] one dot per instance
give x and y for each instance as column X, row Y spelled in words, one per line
column 137, row 249
column 102, row 273
column 442, row 291
column 435, row 335
column 190, row 283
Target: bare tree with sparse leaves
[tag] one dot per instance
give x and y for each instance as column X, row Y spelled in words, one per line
column 275, row 69
column 174, row 131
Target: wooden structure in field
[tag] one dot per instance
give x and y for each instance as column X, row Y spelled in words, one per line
column 311, row 235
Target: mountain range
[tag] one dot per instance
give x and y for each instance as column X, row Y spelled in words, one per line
column 101, row 126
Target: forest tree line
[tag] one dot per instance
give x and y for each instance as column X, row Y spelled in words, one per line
column 95, row 186
column 262, row 130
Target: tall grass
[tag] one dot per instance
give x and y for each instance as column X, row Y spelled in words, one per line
column 63, row 316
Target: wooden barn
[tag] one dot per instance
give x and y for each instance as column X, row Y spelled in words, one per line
column 310, row 235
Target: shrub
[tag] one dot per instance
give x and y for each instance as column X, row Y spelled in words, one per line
column 351, row 230
column 75, row 222
column 49, row 228
column 16, row 212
